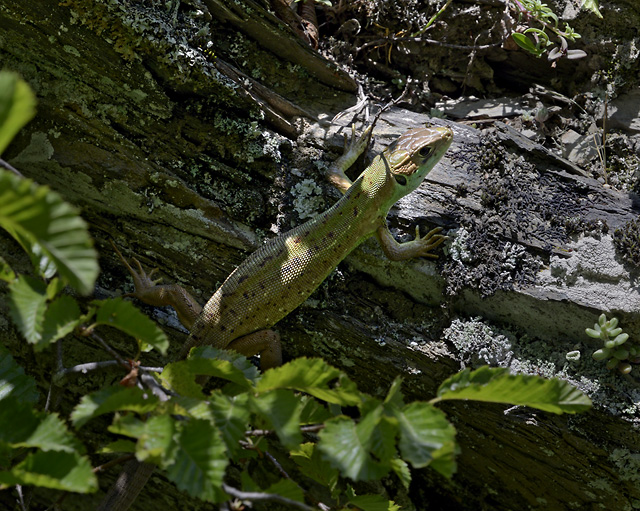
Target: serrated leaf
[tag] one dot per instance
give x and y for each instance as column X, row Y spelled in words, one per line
column 231, row 416
column 124, row 316
column 51, row 434
column 497, row 385
column 313, row 412
column 57, row 470
column 60, row 318
column 27, row 305
column 424, row 431
column 17, row 106
column 49, row 228
column 401, row 469
column 112, row 399
column 181, row 376
column 240, row 362
column 312, row 376
column 312, row 465
column 348, row 447
column 13, row 381
column 154, row 445
column 281, row 408
column 288, row 489
column 200, row 461
column 20, row 416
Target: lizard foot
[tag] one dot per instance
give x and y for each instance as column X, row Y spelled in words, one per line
column 142, row 280
column 425, row 244
column 152, row 293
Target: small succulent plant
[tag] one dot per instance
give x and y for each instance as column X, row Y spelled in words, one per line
column 617, row 351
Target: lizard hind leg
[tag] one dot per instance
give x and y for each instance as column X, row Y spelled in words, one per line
column 266, row 343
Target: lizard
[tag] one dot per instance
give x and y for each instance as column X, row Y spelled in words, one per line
column 285, row 270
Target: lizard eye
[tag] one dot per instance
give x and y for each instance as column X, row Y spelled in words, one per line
column 425, row 151
column 401, row 180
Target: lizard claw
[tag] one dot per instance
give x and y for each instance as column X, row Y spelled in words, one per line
column 429, row 241
column 141, row 279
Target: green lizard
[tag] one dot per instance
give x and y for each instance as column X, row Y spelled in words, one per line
column 281, row 274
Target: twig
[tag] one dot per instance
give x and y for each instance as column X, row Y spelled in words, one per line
column 428, row 41
column 267, row 432
column 10, row 168
column 21, row 497
column 109, row 350
column 256, row 496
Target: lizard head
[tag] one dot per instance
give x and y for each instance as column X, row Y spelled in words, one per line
column 412, row 156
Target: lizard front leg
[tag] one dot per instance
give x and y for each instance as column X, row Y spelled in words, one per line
column 336, row 171
column 419, row 247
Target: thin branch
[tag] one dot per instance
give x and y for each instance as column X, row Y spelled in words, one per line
column 23, row 506
column 257, row 496
column 110, row 350
column 10, row 168
column 382, row 40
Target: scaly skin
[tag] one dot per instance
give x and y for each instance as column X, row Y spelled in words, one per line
column 281, row 274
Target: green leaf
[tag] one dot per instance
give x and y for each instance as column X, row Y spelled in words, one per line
column 49, row 228
column 592, row 5
column 373, row 503
column 112, row 399
column 525, row 43
column 401, row 469
column 313, row 412
column 424, row 432
column 61, row 317
column 50, row 435
column 180, row 377
column 154, row 445
column 249, row 371
column 349, row 447
column 13, row 381
column 288, row 489
column 312, row 465
column 497, row 385
column 118, row 446
column 27, row 305
column 57, row 470
column 281, row 408
column 231, row 416
column 312, row 376
column 17, row 106
column 200, row 461
column 127, row 425
column 124, row 316
column 20, row 416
